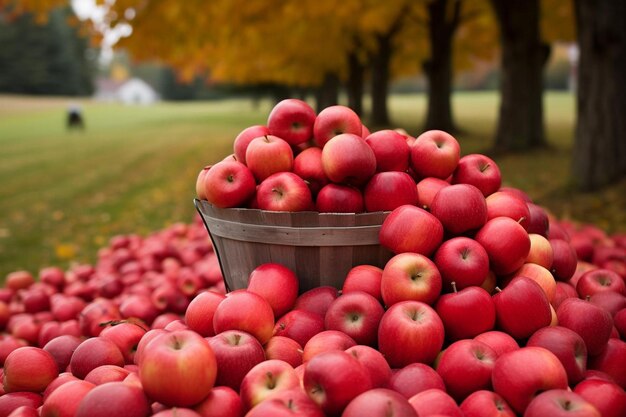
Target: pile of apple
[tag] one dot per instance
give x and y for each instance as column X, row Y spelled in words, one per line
column 490, row 307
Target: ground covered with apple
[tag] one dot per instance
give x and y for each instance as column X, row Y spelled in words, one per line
column 487, row 305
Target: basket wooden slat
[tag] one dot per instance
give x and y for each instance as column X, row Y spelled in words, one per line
column 319, row 247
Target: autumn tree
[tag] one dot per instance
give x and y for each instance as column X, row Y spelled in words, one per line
column 520, row 121
column 600, row 144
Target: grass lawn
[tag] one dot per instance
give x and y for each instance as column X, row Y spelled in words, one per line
column 64, row 194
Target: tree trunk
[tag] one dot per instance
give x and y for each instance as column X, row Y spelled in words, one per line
column 599, row 155
column 381, row 61
column 354, row 85
column 520, row 123
column 328, row 93
column 438, row 68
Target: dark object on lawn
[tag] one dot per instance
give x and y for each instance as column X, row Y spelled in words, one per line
column 75, row 118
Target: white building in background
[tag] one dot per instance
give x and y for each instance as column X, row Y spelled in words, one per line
column 131, row 91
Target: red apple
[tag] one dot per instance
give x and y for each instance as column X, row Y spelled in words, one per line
column 266, row 379
column 308, row 165
column 61, row 348
column 386, row 191
column 391, row 150
column 410, row 331
column 356, row 314
column 19, row 280
column 435, row 153
column 485, row 403
column 348, row 159
column 540, row 275
column 292, row 120
column 334, row 121
column 467, row 313
column 29, row 369
column 435, row 402
column 522, row 308
column 200, row 312
column 592, row 323
column 540, row 251
column 465, row 367
column 518, row 375
column 326, row 341
column 365, row 278
column 499, row 341
column 415, row 378
column 277, row 284
column 243, row 139
column 600, row 280
column 567, row 345
column 479, row 171
column 379, row 402
column 619, row 320
column 462, row 260
column 410, row 276
column 612, row 361
column 606, row 396
column 200, row 183
column 505, row 255
column 229, row 184
column 374, row 362
column 503, row 204
column 177, row 412
column 516, row 192
column 114, row 398
column 609, row 300
column 13, row 400
column 285, row 349
column 236, row 352
column 177, row 368
column 284, row 191
column 92, row 353
column 427, row 189
column 267, row 155
column 64, row 401
column 562, row 292
column 316, row 300
column 538, row 222
column 460, row 208
column 564, row 259
column 299, row 325
column 411, row 229
column 337, row 198
column 107, row 373
column 560, row 403
column 126, row 336
column 233, row 313
column 221, row 402
column 333, row 379
column 290, row 403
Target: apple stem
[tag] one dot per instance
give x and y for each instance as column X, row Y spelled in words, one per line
column 453, row 286
column 266, row 139
column 271, row 381
column 484, row 167
column 498, row 289
column 521, row 219
column 588, row 297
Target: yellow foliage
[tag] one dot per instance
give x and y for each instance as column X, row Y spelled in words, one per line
column 298, row 42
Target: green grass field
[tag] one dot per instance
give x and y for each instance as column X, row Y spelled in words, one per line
column 64, row 194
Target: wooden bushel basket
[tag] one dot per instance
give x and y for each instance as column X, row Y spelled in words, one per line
column 319, row 247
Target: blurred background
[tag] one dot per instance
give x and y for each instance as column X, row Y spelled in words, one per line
column 110, row 108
